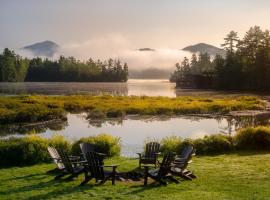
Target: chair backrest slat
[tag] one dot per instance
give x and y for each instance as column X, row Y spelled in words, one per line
column 95, row 165
column 56, row 157
column 151, row 149
column 65, row 160
column 87, row 147
column 187, row 152
column 166, row 164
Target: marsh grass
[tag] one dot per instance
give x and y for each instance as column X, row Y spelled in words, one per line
column 34, row 108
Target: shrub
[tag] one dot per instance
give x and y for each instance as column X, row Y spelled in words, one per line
column 114, row 113
column 96, row 114
column 103, row 143
column 60, row 142
column 253, row 139
column 213, row 144
column 28, row 150
column 31, row 149
column 171, row 144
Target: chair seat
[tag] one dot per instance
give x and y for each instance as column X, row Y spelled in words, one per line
column 148, row 160
column 153, row 172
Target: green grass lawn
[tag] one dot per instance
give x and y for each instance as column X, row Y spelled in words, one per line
column 233, row 176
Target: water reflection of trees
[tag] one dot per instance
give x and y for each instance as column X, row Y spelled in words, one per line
column 65, row 88
column 35, row 128
column 237, row 122
column 101, row 122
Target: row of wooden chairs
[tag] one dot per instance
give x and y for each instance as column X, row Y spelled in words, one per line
column 91, row 163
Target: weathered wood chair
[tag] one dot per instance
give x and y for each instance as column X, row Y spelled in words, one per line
column 56, row 158
column 150, row 156
column 72, row 167
column 162, row 174
column 179, row 165
column 87, row 147
column 94, row 169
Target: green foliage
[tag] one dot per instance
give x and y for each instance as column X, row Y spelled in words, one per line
column 245, row 66
column 213, row 144
column 60, row 142
column 103, row 143
column 114, row 113
column 171, row 144
column 22, row 151
column 257, row 138
column 15, row 68
column 32, row 149
column 251, row 139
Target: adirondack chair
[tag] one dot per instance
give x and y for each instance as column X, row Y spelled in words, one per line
column 87, row 147
column 150, row 156
column 95, row 169
column 179, row 165
column 162, row 174
column 56, row 158
column 72, row 167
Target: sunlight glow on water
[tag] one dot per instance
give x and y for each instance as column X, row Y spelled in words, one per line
column 133, row 132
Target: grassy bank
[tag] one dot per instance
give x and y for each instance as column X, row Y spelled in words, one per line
column 30, row 109
column 245, row 176
column 32, row 149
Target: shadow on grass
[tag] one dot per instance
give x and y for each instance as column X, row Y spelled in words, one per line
column 52, row 186
column 142, row 188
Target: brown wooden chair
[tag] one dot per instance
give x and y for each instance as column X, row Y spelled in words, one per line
column 94, row 169
column 71, row 165
column 150, row 156
column 162, row 174
column 180, row 164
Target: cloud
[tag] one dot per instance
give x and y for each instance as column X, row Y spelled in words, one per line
column 119, row 47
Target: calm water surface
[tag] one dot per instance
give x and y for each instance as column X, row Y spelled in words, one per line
column 132, row 131
column 138, row 87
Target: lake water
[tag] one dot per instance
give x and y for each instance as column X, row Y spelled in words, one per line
column 159, row 87
column 132, row 131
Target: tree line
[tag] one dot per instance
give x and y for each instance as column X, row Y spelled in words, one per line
column 14, row 68
column 246, row 65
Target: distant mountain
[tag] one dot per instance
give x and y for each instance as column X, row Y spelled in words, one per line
column 205, row 48
column 146, row 49
column 151, row 73
column 46, row 48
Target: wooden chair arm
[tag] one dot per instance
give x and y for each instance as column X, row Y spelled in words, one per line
column 102, row 154
column 139, row 154
column 110, row 166
column 146, row 169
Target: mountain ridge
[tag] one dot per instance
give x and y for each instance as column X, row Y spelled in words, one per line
column 46, row 48
column 205, row 48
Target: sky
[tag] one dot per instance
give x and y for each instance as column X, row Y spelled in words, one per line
column 116, row 28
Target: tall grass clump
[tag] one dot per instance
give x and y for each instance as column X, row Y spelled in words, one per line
column 257, row 138
column 103, row 143
column 171, row 144
column 213, row 144
column 31, row 149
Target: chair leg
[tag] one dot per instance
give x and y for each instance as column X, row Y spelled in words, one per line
column 59, row 176
column 172, row 179
column 145, row 180
column 146, row 168
column 86, row 180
